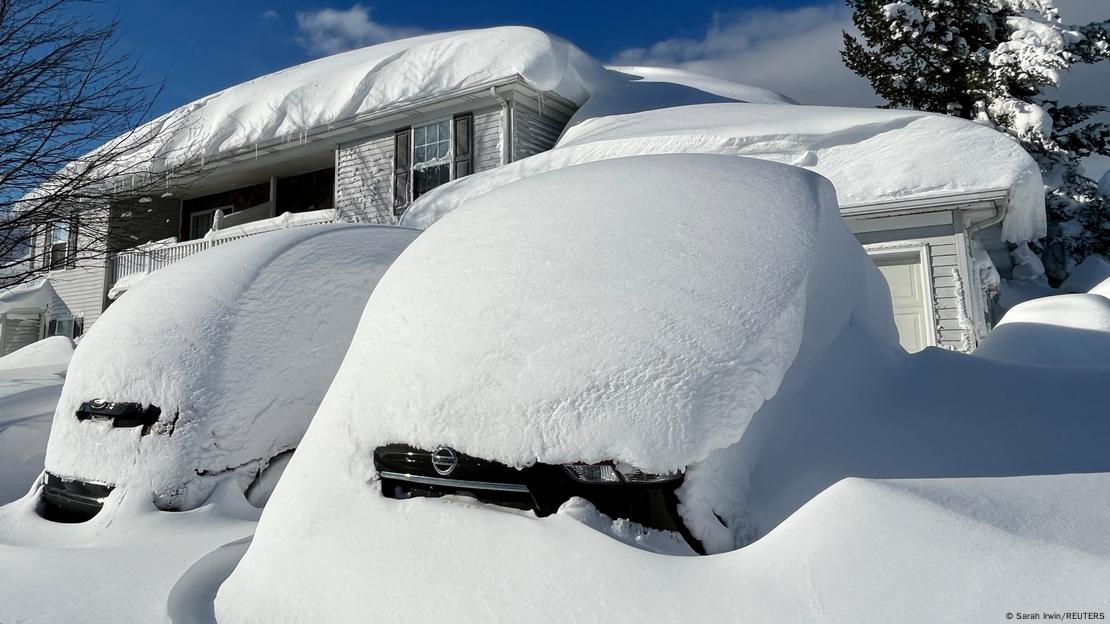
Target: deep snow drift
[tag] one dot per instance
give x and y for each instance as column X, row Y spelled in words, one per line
column 869, row 155
column 236, row 346
column 1062, row 330
column 30, row 383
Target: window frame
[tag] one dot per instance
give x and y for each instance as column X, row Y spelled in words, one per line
column 60, row 254
column 450, row 157
column 197, row 213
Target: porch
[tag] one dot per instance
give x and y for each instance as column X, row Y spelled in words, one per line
column 125, row 267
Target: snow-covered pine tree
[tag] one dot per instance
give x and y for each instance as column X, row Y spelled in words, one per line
column 991, row 61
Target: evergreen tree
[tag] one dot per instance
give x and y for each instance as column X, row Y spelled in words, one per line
column 991, row 61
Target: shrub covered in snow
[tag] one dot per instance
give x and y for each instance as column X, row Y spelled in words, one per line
column 236, row 346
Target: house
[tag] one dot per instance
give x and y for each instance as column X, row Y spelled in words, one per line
column 353, row 137
column 363, row 136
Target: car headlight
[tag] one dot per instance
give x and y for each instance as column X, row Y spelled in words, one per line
column 612, row 472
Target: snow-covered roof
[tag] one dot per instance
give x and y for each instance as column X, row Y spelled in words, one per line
column 721, row 87
column 285, row 105
column 870, row 155
column 34, row 295
column 239, row 342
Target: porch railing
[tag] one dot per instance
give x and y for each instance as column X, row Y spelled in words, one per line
column 156, row 257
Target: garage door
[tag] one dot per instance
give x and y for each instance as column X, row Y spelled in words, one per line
column 904, row 275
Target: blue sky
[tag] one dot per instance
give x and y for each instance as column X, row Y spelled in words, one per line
column 201, row 46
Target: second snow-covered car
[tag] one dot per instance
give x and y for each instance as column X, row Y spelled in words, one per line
column 211, row 368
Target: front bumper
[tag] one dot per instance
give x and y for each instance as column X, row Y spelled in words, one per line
column 71, row 500
column 407, row 471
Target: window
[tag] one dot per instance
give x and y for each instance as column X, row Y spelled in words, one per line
column 200, row 222
column 59, row 245
column 431, row 156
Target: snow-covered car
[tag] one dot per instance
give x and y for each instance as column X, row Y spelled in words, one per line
column 630, row 350
column 211, row 368
column 635, row 310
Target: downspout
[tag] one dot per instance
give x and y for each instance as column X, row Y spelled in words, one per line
column 970, row 228
column 506, row 126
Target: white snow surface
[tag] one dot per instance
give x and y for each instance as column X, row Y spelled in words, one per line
column 552, row 320
column 869, row 155
column 284, row 105
column 701, row 82
column 31, row 295
column 283, row 221
column 236, row 345
column 30, row 383
column 51, row 353
column 1062, row 330
column 1090, row 273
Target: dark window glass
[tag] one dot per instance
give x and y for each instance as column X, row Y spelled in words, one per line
column 426, row 179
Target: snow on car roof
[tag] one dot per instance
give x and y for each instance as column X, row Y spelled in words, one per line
column 645, row 326
column 870, row 155
column 240, row 342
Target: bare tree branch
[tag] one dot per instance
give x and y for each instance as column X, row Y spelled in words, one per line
column 73, row 143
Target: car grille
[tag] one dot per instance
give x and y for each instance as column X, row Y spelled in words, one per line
column 72, row 500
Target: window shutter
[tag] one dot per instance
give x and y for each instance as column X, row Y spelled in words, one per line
column 464, row 144
column 71, row 247
column 402, row 166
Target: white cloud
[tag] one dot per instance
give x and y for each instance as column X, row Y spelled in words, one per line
column 793, row 51
column 329, row 31
column 269, row 15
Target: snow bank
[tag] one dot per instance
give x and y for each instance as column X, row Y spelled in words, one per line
column 869, row 155
column 285, row 105
column 30, row 383
column 131, row 563
column 863, row 551
column 1090, row 273
column 236, row 345
column 53, row 353
column 1102, row 289
column 1063, row 330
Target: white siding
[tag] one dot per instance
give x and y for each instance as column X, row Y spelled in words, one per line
column 80, row 290
column 364, row 169
column 948, row 289
column 364, row 179
column 80, row 293
column 534, row 133
column 487, row 139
